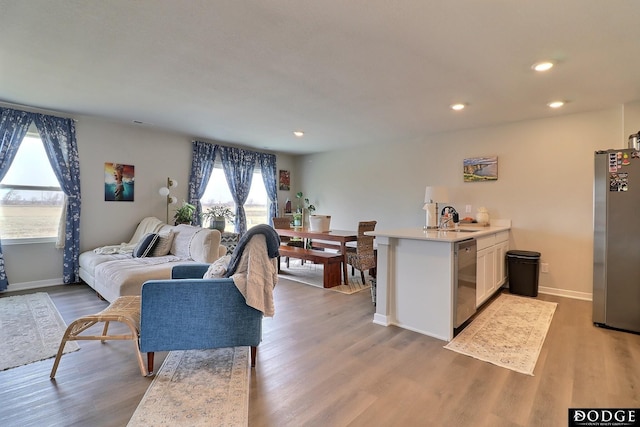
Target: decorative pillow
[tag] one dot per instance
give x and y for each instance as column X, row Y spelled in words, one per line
column 218, row 268
column 205, row 246
column 145, row 245
column 183, row 235
column 163, row 245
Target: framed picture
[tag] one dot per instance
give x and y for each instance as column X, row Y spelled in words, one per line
column 118, row 182
column 285, row 180
column 480, row 169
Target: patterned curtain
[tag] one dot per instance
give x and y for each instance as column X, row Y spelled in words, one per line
column 202, row 160
column 13, row 127
column 269, row 177
column 59, row 139
column 238, row 165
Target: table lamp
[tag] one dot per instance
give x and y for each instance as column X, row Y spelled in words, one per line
column 432, row 196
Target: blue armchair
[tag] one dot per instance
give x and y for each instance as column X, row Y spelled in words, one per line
column 190, row 313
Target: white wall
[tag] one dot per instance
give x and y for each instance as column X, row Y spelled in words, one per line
column 544, row 185
column 156, row 155
column 631, row 118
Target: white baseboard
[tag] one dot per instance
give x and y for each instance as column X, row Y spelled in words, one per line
column 381, row 319
column 33, row 285
column 586, row 296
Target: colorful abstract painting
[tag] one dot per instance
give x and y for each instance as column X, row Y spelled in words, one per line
column 118, row 182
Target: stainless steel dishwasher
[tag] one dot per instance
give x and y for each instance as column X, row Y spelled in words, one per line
column 465, row 280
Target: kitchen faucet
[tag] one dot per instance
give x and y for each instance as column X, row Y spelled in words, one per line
column 448, row 216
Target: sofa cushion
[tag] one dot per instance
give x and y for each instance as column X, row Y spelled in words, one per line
column 163, row 245
column 182, row 240
column 145, row 245
column 204, row 245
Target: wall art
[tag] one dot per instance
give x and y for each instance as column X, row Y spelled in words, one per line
column 118, row 182
column 480, row 169
column 285, row 180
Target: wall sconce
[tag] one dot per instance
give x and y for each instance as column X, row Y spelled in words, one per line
column 166, row 192
column 432, row 196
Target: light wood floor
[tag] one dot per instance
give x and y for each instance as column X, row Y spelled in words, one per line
column 324, row 363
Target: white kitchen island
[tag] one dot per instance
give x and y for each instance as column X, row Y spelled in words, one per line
column 415, row 277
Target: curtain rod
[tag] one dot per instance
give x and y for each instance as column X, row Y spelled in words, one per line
column 241, row 147
column 36, row 110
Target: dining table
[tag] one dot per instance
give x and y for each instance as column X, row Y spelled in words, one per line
column 342, row 237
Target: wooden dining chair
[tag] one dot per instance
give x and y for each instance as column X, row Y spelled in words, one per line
column 363, row 256
column 285, row 222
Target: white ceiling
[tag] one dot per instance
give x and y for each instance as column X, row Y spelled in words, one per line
column 347, row 72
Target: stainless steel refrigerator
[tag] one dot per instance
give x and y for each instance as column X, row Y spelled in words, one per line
column 616, row 240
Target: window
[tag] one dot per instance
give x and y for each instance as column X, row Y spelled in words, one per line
column 218, row 193
column 30, row 197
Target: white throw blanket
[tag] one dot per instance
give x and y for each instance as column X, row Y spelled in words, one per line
column 257, row 275
column 147, row 225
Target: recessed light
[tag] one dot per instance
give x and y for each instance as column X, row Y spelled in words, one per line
column 298, row 133
column 542, row 66
column 457, row 107
column 555, row 104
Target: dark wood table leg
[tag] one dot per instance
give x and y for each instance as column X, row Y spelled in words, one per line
column 343, row 248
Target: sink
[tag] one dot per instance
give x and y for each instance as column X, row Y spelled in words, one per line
column 460, row 230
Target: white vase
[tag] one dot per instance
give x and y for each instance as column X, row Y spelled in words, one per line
column 482, row 216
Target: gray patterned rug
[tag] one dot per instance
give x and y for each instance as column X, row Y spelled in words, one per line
column 198, row 388
column 509, row 333
column 312, row 274
column 31, row 330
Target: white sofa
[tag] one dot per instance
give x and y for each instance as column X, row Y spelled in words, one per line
column 114, row 271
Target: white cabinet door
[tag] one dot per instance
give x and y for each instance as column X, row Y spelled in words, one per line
column 501, row 264
column 481, row 266
column 485, row 274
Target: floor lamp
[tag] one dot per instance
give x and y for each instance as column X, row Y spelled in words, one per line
column 166, row 192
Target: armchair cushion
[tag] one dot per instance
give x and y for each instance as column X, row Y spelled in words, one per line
column 189, row 271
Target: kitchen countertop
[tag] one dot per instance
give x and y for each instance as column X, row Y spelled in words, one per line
column 448, row 236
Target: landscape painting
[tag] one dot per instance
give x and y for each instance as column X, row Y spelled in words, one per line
column 480, row 169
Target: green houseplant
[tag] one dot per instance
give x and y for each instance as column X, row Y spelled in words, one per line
column 307, row 204
column 184, row 214
column 218, row 216
column 303, row 203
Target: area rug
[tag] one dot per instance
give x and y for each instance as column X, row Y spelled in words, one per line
column 31, row 330
column 508, row 333
column 198, row 388
column 313, row 274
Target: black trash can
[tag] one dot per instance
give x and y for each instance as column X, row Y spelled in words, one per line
column 523, row 268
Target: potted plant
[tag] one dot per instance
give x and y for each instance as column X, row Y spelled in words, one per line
column 307, row 204
column 184, row 214
column 303, row 203
column 297, row 219
column 218, row 216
